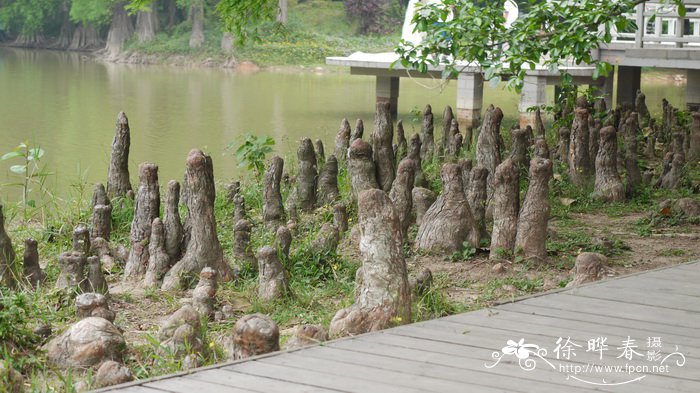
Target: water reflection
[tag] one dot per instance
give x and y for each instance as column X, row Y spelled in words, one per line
column 68, row 105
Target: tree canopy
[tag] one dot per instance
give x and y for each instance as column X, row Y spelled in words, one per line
column 549, row 33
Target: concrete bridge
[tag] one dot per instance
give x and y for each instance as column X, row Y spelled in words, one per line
column 669, row 41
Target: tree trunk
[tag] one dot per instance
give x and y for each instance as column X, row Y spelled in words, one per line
column 172, row 12
column 197, row 14
column 506, row 205
column 283, row 6
column 383, row 150
column 147, row 24
column 608, row 186
column 146, row 209
column 534, row 215
column 361, row 167
column 172, row 223
column 488, row 149
column 449, row 221
column 580, row 168
column 401, row 194
column 67, row 26
column 427, row 136
column 307, row 176
column 227, row 42
column 118, row 183
column 85, row 37
column 384, row 296
column 120, row 30
column 273, row 209
column 342, row 141
column 203, row 248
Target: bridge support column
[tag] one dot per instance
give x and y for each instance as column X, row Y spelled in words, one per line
column 470, row 98
column 692, row 90
column 387, row 90
column 628, row 82
column 534, row 93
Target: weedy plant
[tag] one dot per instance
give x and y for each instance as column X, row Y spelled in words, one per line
column 252, row 152
column 30, row 173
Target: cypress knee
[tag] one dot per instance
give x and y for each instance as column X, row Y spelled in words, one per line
column 401, row 143
column 608, row 186
column 307, row 177
column 427, row 137
column 384, row 296
column 146, row 209
column 401, row 194
column 477, row 197
column 342, row 141
column 272, row 277
column 273, row 209
column 361, row 167
column 531, row 237
column 488, row 152
column 172, row 223
column 158, row 259
column 580, row 168
column 506, row 205
column 203, row 248
column 382, row 148
column 448, row 222
column 328, row 182
column 32, row 270
column 118, row 183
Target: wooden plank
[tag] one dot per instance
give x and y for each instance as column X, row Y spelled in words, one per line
column 686, row 276
column 184, row 385
column 582, row 358
column 641, row 297
column 413, row 366
column 500, row 376
column 622, row 310
column 655, row 285
column 296, row 375
column 577, row 315
column 507, row 376
column 333, row 366
column 136, row 389
column 535, row 322
column 255, row 383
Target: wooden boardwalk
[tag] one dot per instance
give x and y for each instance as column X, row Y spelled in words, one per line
column 451, row 354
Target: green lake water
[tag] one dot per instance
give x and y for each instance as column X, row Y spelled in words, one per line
column 67, row 104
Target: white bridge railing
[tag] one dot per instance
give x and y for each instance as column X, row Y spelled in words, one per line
column 667, row 29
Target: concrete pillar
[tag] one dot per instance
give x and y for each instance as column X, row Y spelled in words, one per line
column 470, row 99
column 692, row 90
column 628, row 82
column 387, row 90
column 534, row 93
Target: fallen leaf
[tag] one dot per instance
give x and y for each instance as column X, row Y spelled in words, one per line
column 666, row 211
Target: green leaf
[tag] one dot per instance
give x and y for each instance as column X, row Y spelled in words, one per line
column 9, row 155
column 681, row 9
column 19, row 169
column 31, row 203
